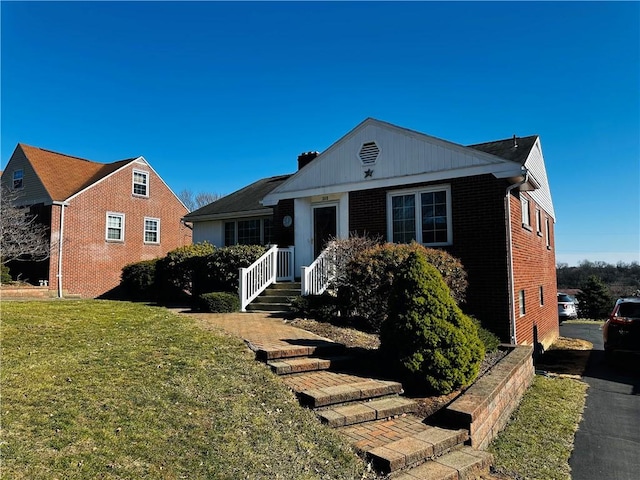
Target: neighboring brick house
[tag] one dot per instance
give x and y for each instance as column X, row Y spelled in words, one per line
column 101, row 217
column 488, row 204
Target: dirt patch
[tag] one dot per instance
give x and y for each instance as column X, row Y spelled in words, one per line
column 567, row 356
column 350, row 337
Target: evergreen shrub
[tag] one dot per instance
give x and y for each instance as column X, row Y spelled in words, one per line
column 137, row 280
column 364, row 292
column 174, row 272
column 426, row 334
column 5, row 275
column 218, row 302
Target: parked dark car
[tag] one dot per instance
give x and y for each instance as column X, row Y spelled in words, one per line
column 621, row 332
column 566, row 307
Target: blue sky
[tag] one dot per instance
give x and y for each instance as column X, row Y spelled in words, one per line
column 216, row 95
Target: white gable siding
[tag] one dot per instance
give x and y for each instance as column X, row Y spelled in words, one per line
column 535, row 165
column 211, row 231
column 405, row 157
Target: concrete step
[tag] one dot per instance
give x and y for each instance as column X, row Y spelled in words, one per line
column 271, row 299
column 463, row 464
column 285, row 286
column 306, row 364
column 366, row 411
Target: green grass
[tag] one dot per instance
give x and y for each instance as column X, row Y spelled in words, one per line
column 537, row 443
column 97, row 389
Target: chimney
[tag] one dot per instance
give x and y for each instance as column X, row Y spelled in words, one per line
column 305, row 158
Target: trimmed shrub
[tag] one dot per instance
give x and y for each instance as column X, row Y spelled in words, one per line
column 322, row 308
column 137, row 281
column 364, row 294
column 174, row 272
column 426, row 334
column 489, row 339
column 219, row 269
column 218, row 302
column 5, row 275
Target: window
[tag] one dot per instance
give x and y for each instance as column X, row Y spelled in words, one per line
column 541, row 296
column 229, row 234
column 522, row 305
column 548, row 229
column 421, row 215
column 140, row 183
column 256, row 231
column 539, row 222
column 151, row 230
column 249, row 232
column 526, row 220
column 18, row 176
column 115, row 227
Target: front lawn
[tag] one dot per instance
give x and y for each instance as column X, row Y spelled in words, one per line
column 97, row 389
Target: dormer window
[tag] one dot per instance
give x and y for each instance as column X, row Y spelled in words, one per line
column 140, row 183
column 18, row 176
column 369, row 153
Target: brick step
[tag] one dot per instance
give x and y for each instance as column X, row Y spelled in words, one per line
column 349, row 392
column 466, row 463
column 401, row 442
column 268, row 307
column 306, row 348
column 306, row 364
column 378, row 409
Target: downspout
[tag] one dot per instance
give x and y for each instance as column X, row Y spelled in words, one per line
column 512, row 301
column 60, row 242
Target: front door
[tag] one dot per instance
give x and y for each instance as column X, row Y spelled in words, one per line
column 325, row 221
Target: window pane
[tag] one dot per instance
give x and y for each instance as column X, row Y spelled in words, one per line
column 139, row 183
column 249, row 232
column 229, row 234
column 434, row 217
column 151, row 231
column 114, row 227
column 18, row 175
column 268, row 231
column 403, row 218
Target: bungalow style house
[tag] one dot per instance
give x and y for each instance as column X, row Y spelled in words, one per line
column 101, row 217
column 487, row 204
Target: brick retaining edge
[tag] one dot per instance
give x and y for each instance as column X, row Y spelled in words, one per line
column 485, row 407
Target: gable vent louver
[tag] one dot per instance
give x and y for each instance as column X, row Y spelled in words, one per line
column 369, row 153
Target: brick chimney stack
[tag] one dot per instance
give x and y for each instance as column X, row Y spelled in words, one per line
column 305, row 158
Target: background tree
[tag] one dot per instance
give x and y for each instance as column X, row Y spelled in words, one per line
column 22, row 236
column 194, row 201
column 595, row 300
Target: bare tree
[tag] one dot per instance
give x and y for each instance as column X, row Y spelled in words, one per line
column 22, row 237
column 194, row 201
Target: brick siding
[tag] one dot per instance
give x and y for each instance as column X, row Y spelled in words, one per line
column 92, row 265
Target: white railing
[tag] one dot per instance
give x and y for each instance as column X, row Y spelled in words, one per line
column 316, row 277
column 275, row 265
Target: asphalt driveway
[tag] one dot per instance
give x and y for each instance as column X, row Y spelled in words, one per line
column 607, row 444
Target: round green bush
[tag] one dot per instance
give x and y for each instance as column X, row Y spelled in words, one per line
column 5, row 276
column 364, row 292
column 218, row 302
column 137, row 280
column 426, row 334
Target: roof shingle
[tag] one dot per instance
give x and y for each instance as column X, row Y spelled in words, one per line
column 63, row 175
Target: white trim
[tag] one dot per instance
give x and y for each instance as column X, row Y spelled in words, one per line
column 146, row 183
column 144, row 230
column 418, row 212
column 505, row 172
column 106, row 227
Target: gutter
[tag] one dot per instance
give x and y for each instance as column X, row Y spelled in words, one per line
column 60, row 242
column 509, row 239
